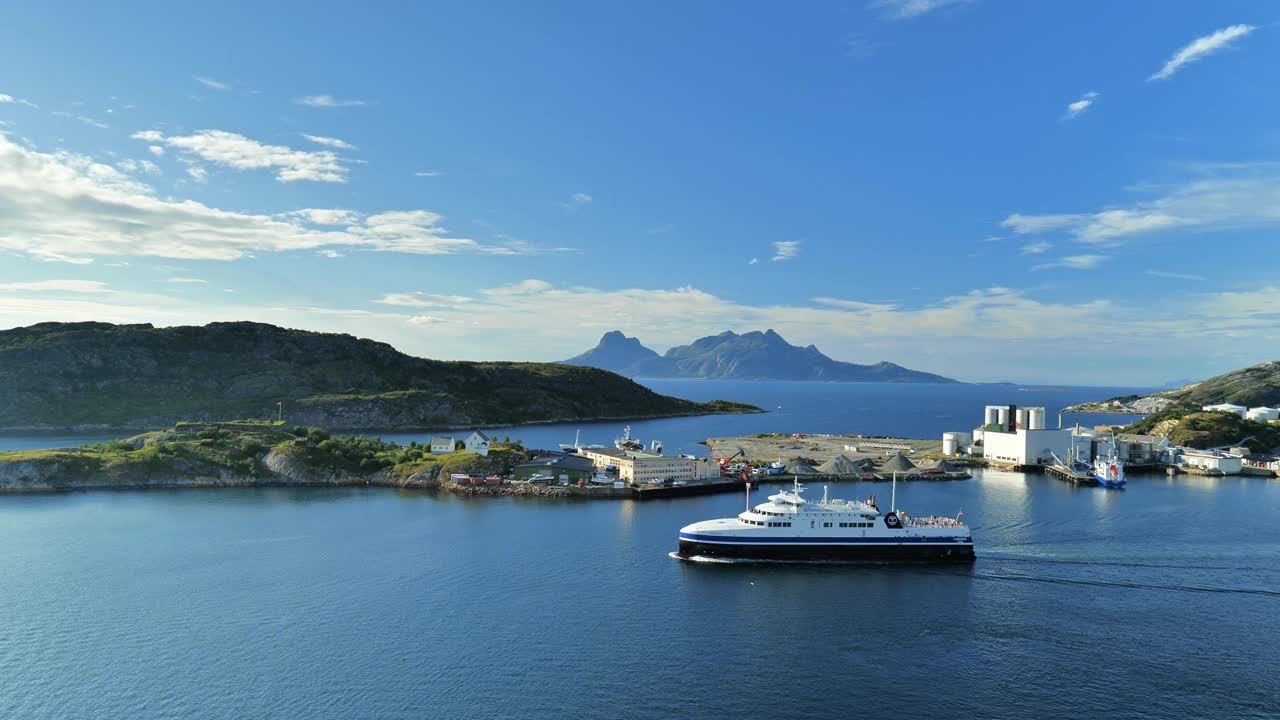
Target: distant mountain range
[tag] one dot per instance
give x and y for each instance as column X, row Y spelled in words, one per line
column 749, row 356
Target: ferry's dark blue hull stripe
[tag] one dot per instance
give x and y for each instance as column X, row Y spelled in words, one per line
column 740, row 540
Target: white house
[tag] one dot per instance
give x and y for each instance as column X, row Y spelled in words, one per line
column 441, row 445
column 477, row 443
column 1226, row 407
column 1263, row 414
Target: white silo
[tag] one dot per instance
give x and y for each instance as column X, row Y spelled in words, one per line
column 1035, row 418
column 1020, row 417
column 1002, row 416
column 992, row 416
column 950, row 446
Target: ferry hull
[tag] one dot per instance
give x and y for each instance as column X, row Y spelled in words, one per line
column 814, row 552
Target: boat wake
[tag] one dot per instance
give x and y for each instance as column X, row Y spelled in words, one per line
column 1124, row 584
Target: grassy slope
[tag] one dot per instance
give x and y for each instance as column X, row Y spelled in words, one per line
column 69, row 374
column 1209, row 429
column 239, row 449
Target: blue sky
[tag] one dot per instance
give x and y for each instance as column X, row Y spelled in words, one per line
column 1079, row 192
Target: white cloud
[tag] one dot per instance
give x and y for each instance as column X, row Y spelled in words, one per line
column 156, row 150
column 241, row 153
column 422, row 300
column 1218, row 197
column 1073, row 262
column 1202, row 47
column 577, row 200
column 326, row 101
column 4, row 99
column 754, row 261
column 187, row 281
column 524, row 287
column 428, row 173
column 68, row 286
column 1074, row 109
column 785, row 249
column 66, row 207
column 212, row 84
column 133, row 166
column 907, row 9
column 329, row 142
column 329, row 253
column 82, row 118
column 197, row 173
column 420, row 320
column 332, row 216
column 1173, row 275
column 1036, row 248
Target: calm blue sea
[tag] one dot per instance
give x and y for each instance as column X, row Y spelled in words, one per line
column 1158, row 601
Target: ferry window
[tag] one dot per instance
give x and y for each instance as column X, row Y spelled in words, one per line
column 826, row 524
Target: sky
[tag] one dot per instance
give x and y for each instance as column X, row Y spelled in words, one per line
column 1082, row 192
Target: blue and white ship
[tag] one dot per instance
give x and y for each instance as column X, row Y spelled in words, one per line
column 791, row 528
column 1109, row 471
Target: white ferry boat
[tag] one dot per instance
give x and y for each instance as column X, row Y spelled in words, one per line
column 790, row 528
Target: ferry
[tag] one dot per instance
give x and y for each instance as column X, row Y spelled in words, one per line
column 791, row 528
column 1109, row 471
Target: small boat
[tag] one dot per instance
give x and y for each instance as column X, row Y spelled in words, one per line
column 626, row 442
column 1109, row 471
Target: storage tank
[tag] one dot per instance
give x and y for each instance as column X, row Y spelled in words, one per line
column 950, row 445
column 1035, row 418
column 992, row 416
column 1002, row 416
column 1020, row 418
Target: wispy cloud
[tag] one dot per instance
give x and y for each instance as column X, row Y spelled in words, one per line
column 327, row 101
column 67, row 286
column 6, row 99
column 236, row 151
column 785, row 249
column 428, row 173
column 1201, row 47
column 1173, row 275
column 754, row 261
column 332, row 254
column 577, row 200
column 186, row 281
column 329, row 142
column 211, row 83
column 1073, row 262
column 1086, row 100
column 1037, row 248
column 1216, row 197
column 325, row 216
column 424, row 300
column 133, row 166
column 907, row 9
column 92, row 122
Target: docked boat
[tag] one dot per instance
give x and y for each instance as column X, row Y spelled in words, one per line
column 627, row 442
column 791, row 528
column 1109, row 471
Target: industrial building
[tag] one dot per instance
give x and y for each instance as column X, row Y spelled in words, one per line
column 1263, row 414
column 1013, row 435
column 1208, row 459
column 636, row 467
column 562, row 468
column 1227, row 407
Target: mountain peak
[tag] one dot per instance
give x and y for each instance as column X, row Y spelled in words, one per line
column 615, row 352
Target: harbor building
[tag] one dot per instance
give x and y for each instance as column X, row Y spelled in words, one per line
column 561, row 468
column 1013, row 435
column 1209, row 460
column 638, row 467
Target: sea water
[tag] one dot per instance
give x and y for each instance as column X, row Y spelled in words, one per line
column 1161, row 600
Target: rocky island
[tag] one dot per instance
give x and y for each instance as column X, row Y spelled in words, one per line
column 95, row 376
column 244, row 454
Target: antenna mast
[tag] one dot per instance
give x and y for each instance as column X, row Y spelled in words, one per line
column 893, row 494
